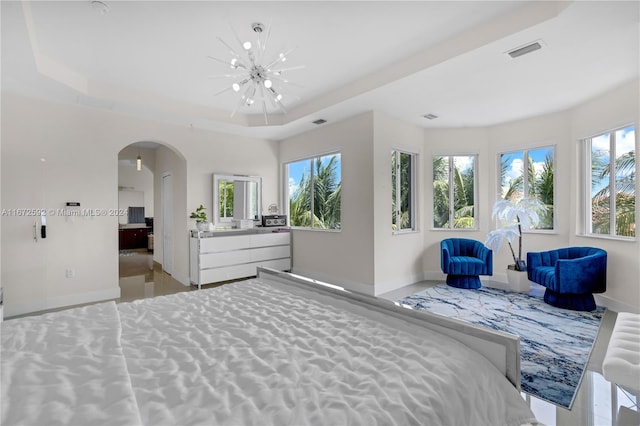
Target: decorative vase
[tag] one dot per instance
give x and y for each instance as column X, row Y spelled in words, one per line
column 518, row 281
column 202, row 226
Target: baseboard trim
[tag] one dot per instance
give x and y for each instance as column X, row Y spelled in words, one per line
column 615, row 305
column 386, row 287
column 182, row 279
column 14, row 309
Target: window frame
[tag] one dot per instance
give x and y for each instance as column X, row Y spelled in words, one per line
column 450, row 179
column 287, row 195
column 412, row 191
column 586, row 183
column 526, row 185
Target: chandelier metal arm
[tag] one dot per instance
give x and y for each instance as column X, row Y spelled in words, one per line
column 253, row 78
column 281, row 70
column 264, row 105
column 231, row 49
column 281, row 58
column 263, row 45
column 241, row 101
column 275, row 102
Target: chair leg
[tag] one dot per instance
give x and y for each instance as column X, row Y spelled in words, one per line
column 575, row 302
column 464, row 281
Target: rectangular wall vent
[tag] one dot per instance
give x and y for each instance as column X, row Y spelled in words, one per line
column 525, row 49
column 319, row 121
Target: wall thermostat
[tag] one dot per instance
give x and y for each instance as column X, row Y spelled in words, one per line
column 274, row 220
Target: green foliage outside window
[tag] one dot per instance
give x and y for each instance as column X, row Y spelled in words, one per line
column 535, row 181
column 319, row 190
column 617, row 176
column 454, row 192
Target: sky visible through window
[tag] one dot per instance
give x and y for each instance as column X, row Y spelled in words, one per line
column 516, row 165
column 298, row 168
column 625, row 143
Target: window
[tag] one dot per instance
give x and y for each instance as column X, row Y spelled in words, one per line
column 225, row 189
column 314, row 185
column 534, row 181
column 611, row 169
column 402, row 190
column 454, row 191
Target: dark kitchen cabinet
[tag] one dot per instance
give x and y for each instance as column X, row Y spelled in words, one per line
column 133, row 238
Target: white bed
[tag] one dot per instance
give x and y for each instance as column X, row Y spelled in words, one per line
column 265, row 351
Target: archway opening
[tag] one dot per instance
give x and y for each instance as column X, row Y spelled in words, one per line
column 145, row 223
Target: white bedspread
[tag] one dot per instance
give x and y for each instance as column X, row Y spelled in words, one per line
column 251, row 353
column 66, row 368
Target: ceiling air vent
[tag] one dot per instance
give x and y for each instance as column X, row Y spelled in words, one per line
column 319, row 121
column 430, row 116
column 531, row 47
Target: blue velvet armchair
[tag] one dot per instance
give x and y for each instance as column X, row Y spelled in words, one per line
column 571, row 275
column 463, row 260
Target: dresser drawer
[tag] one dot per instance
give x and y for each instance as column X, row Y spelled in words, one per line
column 226, row 258
column 267, row 253
column 216, row 244
column 271, row 239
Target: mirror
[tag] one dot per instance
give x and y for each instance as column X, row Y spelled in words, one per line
column 236, row 198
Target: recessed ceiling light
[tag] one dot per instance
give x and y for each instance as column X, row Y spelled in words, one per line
column 523, row 50
column 319, row 121
column 430, row 116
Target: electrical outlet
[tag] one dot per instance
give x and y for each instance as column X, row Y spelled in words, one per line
column 70, row 273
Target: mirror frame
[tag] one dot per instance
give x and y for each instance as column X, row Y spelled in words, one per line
column 217, row 178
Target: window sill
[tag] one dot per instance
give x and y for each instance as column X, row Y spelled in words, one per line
column 455, row 229
column 405, row 231
column 609, row 237
column 301, row 228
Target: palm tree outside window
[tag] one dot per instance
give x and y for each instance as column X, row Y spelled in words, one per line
column 402, row 191
column 454, row 191
column 611, row 176
column 315, row 185
column 530, row 174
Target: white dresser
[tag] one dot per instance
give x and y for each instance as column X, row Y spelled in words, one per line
column 227, row 255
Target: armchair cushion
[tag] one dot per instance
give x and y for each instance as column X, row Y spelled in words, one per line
column 464, row 260
column 571, row 275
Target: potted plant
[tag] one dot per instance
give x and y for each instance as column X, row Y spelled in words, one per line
column 201, row 217
column 513, row 217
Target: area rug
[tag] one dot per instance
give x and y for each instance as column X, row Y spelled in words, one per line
column 555, row 344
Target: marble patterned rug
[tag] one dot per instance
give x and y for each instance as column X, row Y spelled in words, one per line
column 555, row 344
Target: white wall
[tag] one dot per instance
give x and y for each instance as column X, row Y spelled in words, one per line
column 469, row 141
column 365, row 255
column 398, row 258
column 80, row 166
column 359, row 256
column 563, row 130
column 81, row 146
column 548, row 130
column 617, row 108
column 345, row 257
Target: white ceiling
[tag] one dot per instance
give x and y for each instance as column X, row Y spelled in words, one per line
column 407, row 59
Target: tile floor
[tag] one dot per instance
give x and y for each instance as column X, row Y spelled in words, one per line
column 598, row 403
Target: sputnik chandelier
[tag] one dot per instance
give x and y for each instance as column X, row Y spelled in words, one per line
column 256, row 78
